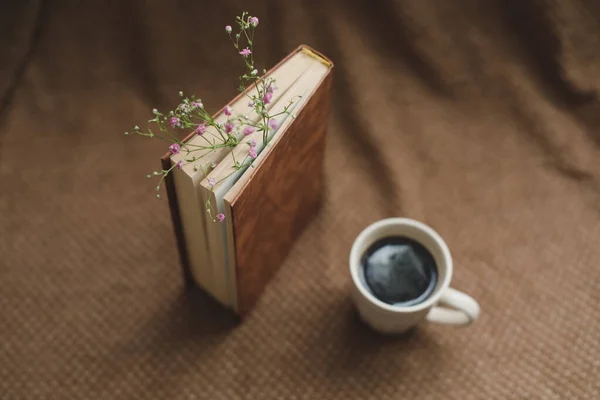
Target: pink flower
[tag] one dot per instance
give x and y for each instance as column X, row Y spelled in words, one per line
column 273, row 124
column 228, row 29
column 254, row 21
column 212, row 181
column 196, row 104
column 271, row 88
column 250, row 104
column 201, row 129
column 174, row 121
column 248, row 130
column 179, row 164
column 174, row 148
column 267, row 98
column 252, row 152
column 220, row 217
column 246, row 52
column 228, row 111
column 228, row 127
column 253, row 143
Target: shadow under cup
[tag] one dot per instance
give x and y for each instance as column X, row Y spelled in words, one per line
column 416, row 231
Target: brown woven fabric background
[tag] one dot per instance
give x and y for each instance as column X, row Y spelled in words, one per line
column 479, row 118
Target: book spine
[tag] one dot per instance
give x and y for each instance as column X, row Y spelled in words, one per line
column 176, row 222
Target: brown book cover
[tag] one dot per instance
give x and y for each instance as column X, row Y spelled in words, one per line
column 279, row 200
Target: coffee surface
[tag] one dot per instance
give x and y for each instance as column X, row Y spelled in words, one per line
column 399, row 271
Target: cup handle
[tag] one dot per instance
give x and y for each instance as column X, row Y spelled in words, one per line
column 462, row 309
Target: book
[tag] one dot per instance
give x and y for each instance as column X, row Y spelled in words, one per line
column 266, row 205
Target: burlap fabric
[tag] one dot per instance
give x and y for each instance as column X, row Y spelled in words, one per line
column 479, row 118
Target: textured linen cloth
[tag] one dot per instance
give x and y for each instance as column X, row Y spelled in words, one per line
column 479, row 118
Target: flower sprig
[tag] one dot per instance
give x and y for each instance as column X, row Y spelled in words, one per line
column 190, row 115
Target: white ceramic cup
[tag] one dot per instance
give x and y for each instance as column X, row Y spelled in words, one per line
column 457, row 308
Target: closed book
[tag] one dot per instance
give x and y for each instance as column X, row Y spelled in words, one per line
column 266, row 205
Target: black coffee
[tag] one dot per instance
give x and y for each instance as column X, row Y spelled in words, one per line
column 399, row 271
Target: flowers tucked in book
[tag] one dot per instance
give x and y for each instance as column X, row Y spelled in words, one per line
column 254, row 166
column 191, row 115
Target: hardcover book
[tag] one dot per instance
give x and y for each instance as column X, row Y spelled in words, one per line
column 266, row 205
